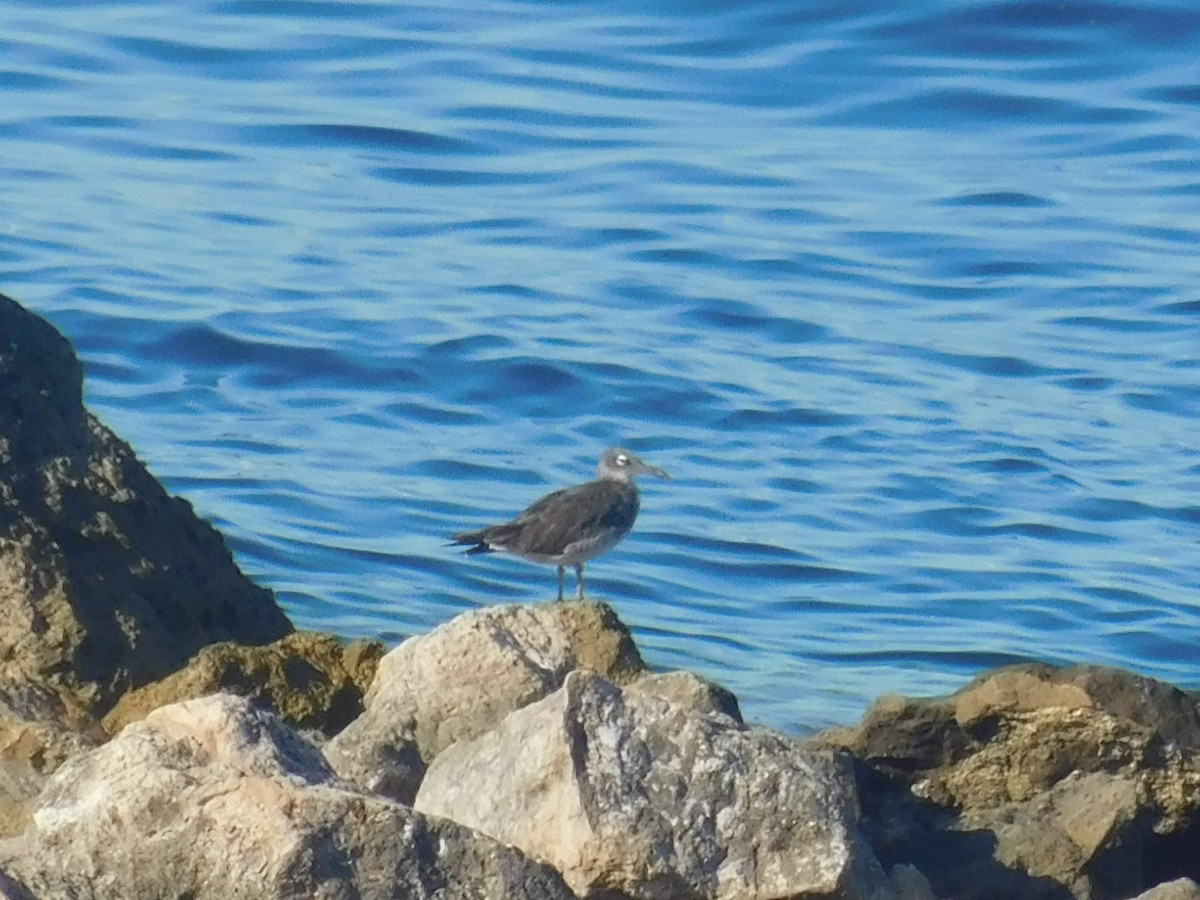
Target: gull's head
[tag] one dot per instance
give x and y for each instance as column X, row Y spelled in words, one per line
column 618, row 464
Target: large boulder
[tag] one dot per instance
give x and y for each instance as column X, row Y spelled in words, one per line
column 633, row 795
column 461, row 679
column 1034, row 782
column 106, row 581
column 216, row 799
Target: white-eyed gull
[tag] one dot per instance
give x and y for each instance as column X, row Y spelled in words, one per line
column 571, row 526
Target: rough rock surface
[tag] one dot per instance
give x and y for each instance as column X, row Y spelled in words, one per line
column 1179, row 889
column 1035, row 782
column 11, row 889
column 686, row 689
column 640, row 797
column 215, row 799
column 39, row 730
column 462, row 678
column 312, row 681
column 106, row 581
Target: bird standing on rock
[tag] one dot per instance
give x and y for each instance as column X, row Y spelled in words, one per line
column 571, row 526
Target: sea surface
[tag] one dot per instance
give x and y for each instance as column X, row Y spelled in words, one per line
column 905, row 297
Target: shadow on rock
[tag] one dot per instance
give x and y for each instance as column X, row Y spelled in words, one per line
column 106, row 581
column 1034, row 782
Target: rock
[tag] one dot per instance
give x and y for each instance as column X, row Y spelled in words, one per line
column 106, row 582
column 689, row 690
column 38, row 731
column 1179, row 889
column 910, row 884
column 312, row 681
column 215, row 799
column 1082, row 834
column 1034, row 782
column 1155, row 705
column 462, row 678
column 11, row 889
column 904, row 734
column 630, row 795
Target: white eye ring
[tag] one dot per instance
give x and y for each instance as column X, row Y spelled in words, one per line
column 622, row 459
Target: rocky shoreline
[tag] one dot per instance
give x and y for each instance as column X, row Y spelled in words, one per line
column 166, row 733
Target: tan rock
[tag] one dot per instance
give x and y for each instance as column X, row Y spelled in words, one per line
column 1156, row 705
column 635, row 796
column 310, row 680
column 215, row 799
column 39, row 730
column 462, row 678
column 1033, row 782
column 1033, row 751
column 1076, row 835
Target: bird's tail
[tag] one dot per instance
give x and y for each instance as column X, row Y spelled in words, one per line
column 472, row 540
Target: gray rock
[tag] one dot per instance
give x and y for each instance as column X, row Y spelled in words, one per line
column 462, row 678
column 910, row 883
column 214, row 799
column 106, row 581
column 11, row 887
column 636, row 796
column 1179, row 889
column 689, row 690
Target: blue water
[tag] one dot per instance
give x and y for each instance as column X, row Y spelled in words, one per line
column 906, row 297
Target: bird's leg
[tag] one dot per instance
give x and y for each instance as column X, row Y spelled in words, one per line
column 561, row 570
column 578, row 581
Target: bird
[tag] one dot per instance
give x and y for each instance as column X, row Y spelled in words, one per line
column 573, row 525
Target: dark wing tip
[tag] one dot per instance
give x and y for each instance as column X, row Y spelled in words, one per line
column 472, row 540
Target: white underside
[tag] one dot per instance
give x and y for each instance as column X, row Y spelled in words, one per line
column 578, row 552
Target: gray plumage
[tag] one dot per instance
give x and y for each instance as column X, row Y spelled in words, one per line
column 571, row 526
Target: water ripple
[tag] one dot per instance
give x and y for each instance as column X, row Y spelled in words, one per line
column 902, row 297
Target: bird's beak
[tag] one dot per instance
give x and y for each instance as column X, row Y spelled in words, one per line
column 652, row 470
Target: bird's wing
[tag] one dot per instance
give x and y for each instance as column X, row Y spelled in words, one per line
column 555, row 521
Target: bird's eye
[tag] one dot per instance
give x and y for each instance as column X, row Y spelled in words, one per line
column 622, row 460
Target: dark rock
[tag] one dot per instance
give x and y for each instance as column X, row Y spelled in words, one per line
column 106, row 582
column 904, row 734
column 12, row 889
